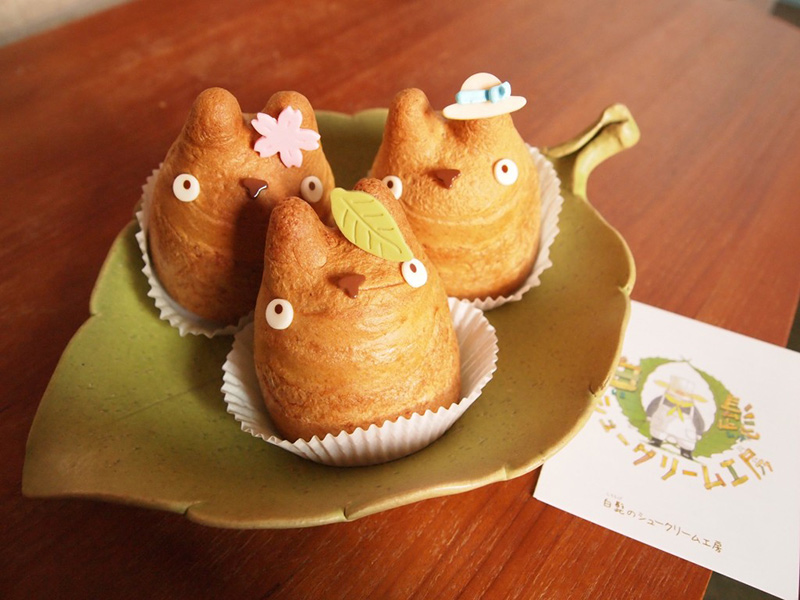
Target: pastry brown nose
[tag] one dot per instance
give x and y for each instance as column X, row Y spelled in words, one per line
column 445, row 177
column 254, row 186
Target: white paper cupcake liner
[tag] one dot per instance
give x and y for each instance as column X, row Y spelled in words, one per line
column 552, row 201
column 477, row 343
column 186, row 322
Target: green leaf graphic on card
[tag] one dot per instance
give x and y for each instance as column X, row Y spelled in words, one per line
column 363, row 220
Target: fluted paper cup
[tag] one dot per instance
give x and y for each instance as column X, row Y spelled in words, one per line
column 477, row 343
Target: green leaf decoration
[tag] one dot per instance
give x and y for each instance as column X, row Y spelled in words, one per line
column 363, row 220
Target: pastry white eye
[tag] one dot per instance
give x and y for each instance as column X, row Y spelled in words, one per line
column 506, row 171
column 414, row 273
column 311, row 189
column 279, row 313
column 394, row 184
column 186, row 187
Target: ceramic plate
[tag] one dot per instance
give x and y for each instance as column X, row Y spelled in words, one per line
column 134, row 412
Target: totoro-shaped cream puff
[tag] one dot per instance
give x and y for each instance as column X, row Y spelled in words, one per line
column 469, row 187
column 215, row 191
column 345, row 338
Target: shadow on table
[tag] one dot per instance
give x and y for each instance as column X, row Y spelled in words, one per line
column 725, row 588
column 788, row 10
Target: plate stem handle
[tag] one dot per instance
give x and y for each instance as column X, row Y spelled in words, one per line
column 575, row 159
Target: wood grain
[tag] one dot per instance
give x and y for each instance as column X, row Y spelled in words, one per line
column 707, row 202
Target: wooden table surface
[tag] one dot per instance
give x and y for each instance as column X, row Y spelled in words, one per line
column 708, row 202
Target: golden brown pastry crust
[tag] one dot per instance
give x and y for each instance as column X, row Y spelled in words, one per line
column 349, row 362
column 208, row 253
column 481, row 235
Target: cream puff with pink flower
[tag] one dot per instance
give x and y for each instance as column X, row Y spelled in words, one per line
column 208, row 210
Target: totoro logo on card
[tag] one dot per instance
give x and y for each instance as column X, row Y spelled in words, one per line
column 682, row 423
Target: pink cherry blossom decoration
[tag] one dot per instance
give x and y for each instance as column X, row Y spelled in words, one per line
column 283, row 136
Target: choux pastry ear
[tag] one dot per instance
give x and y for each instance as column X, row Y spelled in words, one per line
column 215, row 119
column 412, row 122
column 280, row 100
column 298, row 227
column 375, row 187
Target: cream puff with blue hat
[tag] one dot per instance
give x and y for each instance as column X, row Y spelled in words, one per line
column 469, row 186
column 481, row 96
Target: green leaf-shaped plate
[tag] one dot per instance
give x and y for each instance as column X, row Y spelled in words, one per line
column 134, row 412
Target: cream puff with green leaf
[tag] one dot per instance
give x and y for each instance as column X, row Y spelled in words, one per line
column 214, row 193
column 352, row 326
